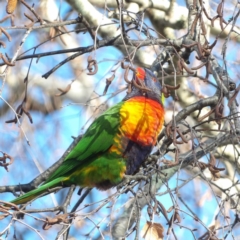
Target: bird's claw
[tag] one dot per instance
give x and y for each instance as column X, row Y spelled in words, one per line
column 128, row 178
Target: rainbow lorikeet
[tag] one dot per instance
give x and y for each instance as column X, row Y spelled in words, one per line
column 115, row 144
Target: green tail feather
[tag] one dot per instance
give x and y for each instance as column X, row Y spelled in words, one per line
column 36, row 192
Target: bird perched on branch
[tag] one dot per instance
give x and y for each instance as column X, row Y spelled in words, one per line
column 116, row 143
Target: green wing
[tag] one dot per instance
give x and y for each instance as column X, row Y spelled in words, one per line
column 97, row 139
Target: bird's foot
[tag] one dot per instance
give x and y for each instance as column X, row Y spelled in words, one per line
column 135, row 177
column 128, row 178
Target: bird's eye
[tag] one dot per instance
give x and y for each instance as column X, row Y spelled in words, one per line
column 154, row 79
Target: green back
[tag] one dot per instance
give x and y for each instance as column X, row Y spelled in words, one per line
column 97, row 140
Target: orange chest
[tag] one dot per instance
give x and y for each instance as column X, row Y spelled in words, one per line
column 141, row 120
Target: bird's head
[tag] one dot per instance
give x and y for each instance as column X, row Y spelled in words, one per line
column 145, row 83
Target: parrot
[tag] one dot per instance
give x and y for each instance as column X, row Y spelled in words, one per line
column 115, row 144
